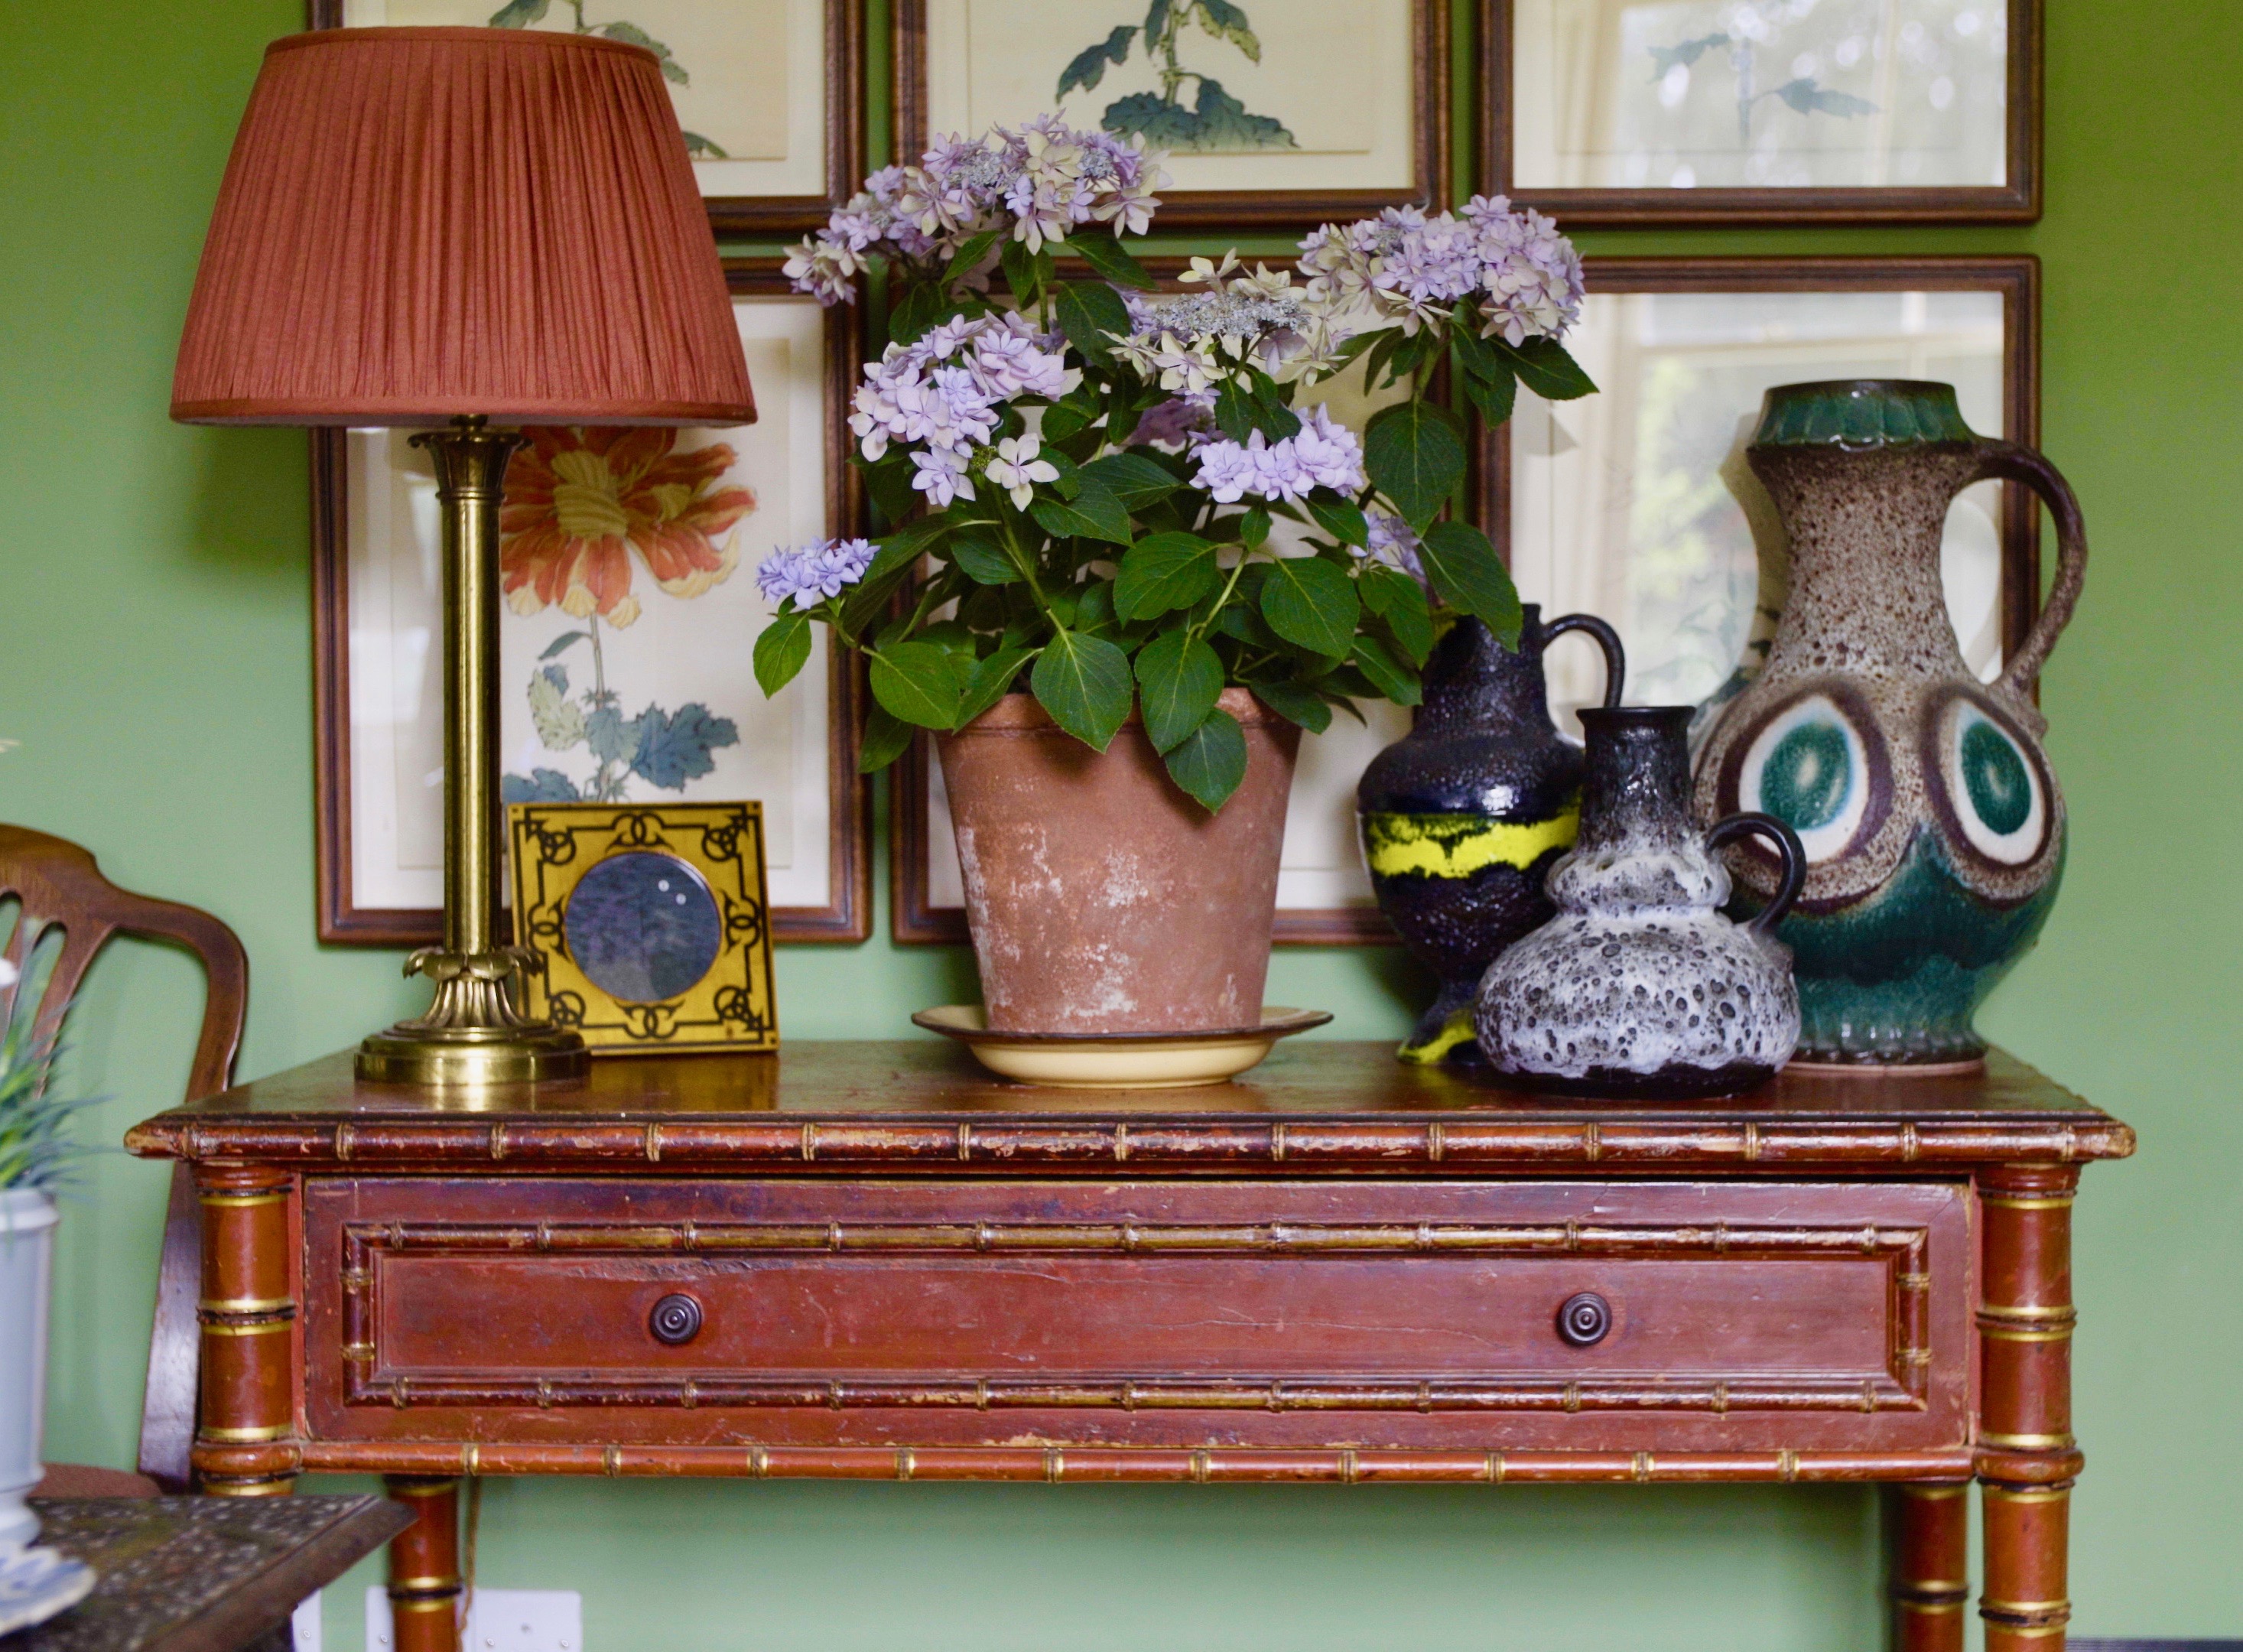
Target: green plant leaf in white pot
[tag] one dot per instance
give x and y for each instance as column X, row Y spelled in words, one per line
column 34, row 1152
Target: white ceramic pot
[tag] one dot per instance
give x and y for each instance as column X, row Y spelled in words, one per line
column 27, row 1254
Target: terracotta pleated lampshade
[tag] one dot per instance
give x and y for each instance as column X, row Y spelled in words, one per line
column 417, row 224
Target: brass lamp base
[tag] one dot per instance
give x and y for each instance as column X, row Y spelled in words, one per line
column 408, row 1054
column 473, row 1034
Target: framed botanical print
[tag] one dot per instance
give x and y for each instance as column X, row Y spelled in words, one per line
column 627, row 558
column 1614, row 113
column 1274, row 113
column 1324, row 893
column 767, row 91
column 1636, row 504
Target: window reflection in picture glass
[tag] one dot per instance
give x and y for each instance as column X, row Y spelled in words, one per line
column 1759, row 94
column 1636, row 503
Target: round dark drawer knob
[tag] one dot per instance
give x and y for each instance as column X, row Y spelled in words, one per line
column 675, row 1319
column 1585, row 1319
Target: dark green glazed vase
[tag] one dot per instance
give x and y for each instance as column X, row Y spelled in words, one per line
column 1933, row 827
column 1463, row 817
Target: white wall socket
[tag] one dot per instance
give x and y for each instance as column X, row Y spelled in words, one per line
column 500, row 1621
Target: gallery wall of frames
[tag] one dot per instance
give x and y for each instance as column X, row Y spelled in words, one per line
column 1634, row 503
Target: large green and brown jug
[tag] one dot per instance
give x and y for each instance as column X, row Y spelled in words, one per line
column 1933, row 829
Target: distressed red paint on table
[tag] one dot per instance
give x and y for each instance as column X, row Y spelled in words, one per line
column 872, row 1260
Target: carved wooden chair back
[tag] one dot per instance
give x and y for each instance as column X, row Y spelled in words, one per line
column 65, row 911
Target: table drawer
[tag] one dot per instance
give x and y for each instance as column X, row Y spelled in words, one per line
column 1703, row 1317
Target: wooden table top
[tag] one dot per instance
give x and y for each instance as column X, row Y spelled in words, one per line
column 200, row 1573
column 926, row 1105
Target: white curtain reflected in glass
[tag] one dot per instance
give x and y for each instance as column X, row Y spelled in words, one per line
column 1759, row 94
column 1636, row 504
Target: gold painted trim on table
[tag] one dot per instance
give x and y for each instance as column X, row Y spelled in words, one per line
column 2028, row 1202
column 228, row 1199
column 263, row 1328
column 245, row 1436
column 2028, row 1442
column 245, row 1304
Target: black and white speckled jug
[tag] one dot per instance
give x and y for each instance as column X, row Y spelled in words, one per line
column 1639, row 988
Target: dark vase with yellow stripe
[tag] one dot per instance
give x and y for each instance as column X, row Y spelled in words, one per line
column 1463, row 819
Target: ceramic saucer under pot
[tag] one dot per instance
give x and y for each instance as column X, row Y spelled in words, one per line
column 36, row 1584
column 1118, row 1061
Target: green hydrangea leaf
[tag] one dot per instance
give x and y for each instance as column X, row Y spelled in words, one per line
column 1211, row 761
column 920, row 683
column 1084, row 683
column 1311, row 603
column 781, row 651
column 1179, row 679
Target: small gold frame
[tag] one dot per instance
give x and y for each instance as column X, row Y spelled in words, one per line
column 718, row 847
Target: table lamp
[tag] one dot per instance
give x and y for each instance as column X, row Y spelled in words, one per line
column 461, row 228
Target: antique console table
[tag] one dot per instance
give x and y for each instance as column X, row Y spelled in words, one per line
column 871, row 1261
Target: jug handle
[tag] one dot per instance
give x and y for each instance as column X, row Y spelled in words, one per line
column 2013, row 461
column 1787, row 845
column 1607, row 639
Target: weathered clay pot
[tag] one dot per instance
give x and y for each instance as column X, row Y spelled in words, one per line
column 1102, row 898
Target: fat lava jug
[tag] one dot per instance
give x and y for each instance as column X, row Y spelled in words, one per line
column 1464, row 816
column 1639, row 988
column 1933, row 827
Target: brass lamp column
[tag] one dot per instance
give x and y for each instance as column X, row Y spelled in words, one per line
column 473, row 1034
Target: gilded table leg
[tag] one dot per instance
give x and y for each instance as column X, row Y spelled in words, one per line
column 247, row 1312
column 2027, row 1459
column 424, row 1567
column 1927, row 1544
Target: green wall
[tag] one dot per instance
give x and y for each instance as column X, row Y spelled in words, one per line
column 154, row 642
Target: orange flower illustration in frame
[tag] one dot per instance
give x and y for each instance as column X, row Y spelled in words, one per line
column 579, row 502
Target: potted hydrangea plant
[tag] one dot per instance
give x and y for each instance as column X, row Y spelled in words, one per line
column 1130, row 562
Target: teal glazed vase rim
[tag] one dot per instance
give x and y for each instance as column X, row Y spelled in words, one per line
column 1861, row 414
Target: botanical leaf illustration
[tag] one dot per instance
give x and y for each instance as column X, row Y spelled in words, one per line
column 1809, row 98
column 539, row 786
column 1686, row 54
column 675, row 746
column 520, row 14
column 558, row 719
column 1216, row 120
column 1226, row 22
column 613, row 738
column 1089, row 65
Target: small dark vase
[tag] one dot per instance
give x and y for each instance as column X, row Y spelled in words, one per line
column 1463, row 817
column 1639, row 988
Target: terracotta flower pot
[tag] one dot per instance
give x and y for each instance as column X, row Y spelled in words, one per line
column 1102, row 898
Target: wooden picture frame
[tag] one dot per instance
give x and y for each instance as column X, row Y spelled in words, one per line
column 754, row 216
column 650, row 923
column 845, row 913
column 2017, row 199
column 2013, row 279
column 1242, row 208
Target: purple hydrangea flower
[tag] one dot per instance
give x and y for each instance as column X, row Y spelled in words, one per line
column 1323, row 454
column 810, row 573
